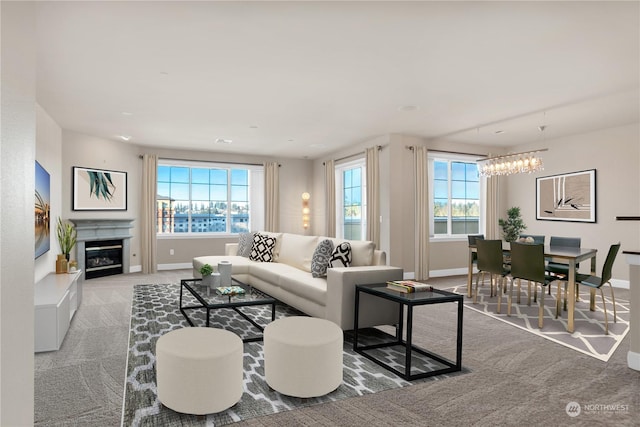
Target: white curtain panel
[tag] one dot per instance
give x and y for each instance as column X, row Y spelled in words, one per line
column 330, row 197
column 373, row 195
column 492, row 230
column 272, row 196
column 420, row 165
column 149, row 213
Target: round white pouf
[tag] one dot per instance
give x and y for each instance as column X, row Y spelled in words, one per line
column 199, row 370
column 303, row 356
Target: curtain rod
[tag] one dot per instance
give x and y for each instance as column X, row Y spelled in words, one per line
column 412, row 147
column 211, row 161
column 380, row 147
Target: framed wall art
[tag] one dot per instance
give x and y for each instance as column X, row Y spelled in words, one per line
column 567, row 197
column 42, row 210
column 99, row 190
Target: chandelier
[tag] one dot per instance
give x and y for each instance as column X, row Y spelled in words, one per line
column 509, row 164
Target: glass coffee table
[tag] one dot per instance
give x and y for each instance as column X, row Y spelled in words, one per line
column 209, row 299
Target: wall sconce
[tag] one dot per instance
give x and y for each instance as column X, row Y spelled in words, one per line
column 305, row 210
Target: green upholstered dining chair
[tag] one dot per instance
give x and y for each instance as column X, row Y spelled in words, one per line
column 490, row 261
column 559, row 268
column 596, row 282
column 527, row 262
column 474, row 255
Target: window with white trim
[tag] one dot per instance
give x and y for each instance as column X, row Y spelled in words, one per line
column 351, row 203
column 455, row 195
column 206, row 197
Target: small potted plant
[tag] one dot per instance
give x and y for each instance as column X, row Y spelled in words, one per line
column 513, row 225
column 66, row 237
column 207, row 278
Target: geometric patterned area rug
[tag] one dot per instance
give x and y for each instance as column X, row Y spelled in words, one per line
column 589, row 332
column 155, row 311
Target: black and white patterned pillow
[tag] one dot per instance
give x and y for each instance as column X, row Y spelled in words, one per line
column 262, row 248
column 341, row 256
column 321, row 257
column 245, row 243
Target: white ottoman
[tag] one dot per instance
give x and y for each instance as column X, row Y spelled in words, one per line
column 303, row 356
column 199, row 370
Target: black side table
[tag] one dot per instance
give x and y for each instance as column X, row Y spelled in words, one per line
column 409, row 300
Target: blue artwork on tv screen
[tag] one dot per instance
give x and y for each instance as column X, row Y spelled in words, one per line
column 42, row 209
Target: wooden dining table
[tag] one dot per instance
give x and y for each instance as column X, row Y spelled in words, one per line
column 572, row 256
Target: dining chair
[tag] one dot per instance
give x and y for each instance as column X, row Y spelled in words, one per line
column 596, row 282
column 490, row 261
column 527, row 262
column 560, row 268
column 472, row 242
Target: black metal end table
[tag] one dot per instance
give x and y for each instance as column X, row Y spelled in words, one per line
column 410, row 300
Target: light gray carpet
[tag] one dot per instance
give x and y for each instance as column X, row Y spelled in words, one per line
column 516, row 378
column 589, row 332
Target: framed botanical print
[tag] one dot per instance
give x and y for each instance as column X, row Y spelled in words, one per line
column 99, row 190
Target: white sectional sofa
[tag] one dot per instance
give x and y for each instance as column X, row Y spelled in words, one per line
column 289, row 279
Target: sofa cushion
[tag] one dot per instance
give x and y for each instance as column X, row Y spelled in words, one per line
column 304, row 286
column 361, row 251
column 245, row 243
column 341, row 256
column 272, row 272
column 321, row 257
column 239, row 265
column 297, row 250
column 262, row 249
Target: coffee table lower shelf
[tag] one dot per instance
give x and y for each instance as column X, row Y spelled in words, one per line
column 209, row 304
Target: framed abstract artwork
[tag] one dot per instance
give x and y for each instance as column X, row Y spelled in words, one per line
column 567, row 197
column 42, row 210
column 99, row 190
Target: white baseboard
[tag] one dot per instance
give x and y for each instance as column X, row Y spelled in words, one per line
column 618, row 283
column 135, row 269
column 448, row 272
column 176, row 266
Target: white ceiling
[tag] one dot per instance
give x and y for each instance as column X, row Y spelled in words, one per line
column 296, row 79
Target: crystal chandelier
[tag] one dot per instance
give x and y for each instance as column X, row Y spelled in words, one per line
column 509, row 164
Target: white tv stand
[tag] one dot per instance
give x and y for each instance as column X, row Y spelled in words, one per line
column 56, row 298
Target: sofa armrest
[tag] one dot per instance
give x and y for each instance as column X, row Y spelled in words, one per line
column 231, row 249
column 341, row 284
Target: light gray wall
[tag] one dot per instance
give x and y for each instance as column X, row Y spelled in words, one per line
column 89, row 151
column 17, row 183
column 615, row 154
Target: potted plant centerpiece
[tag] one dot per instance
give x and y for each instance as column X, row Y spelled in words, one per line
column 513, row 225
column 207, row 275
column 67, row 240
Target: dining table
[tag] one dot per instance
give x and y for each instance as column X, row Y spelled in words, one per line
column 572, row 256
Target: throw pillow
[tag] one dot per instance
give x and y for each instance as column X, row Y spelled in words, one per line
column 245, row 243
column 262, row 248
column 341, row 256
column 321, row 257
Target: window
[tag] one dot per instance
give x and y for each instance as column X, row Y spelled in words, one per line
column 455, row 195
column 200, row 197
column 351, row 203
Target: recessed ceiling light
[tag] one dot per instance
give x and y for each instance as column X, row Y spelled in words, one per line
column 223, row 141
column 164, row 73
column 126, row 113
column 253, row 126
column 498, row 132
column 316, row 145
column 125, row 137
column 290, row 139
column 408, row 108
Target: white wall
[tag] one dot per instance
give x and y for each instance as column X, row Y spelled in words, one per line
column 49, row 155
column 17, row 183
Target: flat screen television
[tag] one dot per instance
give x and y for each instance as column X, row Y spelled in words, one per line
column 42, row 210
